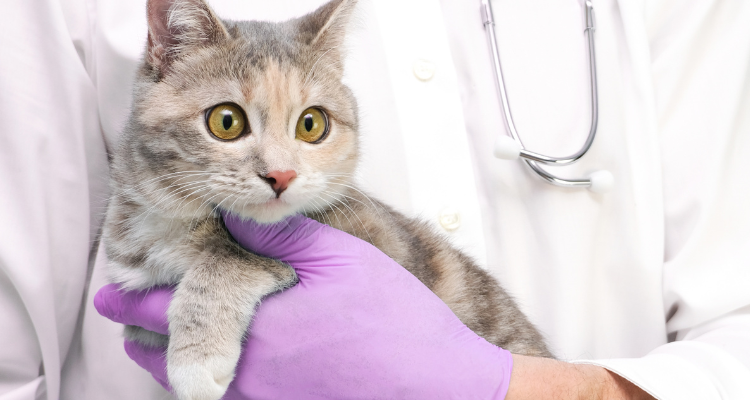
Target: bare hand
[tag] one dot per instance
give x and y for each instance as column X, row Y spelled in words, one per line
column 542, row 378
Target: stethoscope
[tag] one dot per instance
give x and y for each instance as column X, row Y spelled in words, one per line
column 511, row 147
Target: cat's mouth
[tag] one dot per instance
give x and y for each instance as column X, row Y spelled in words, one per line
column 272, row 210
column 303, row 196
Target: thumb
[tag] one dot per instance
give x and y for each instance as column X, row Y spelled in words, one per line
column 296, row 239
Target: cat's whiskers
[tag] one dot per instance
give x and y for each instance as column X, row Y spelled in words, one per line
column 200, row 186
column 165, row 189
column 230, row 191
column 237, row 197
column 340, row 174
column 180, row 176
column 170, row 198
column 306, row 209
column 336, row 210
column 205, row 203
column 320, row 211
column 134, row 190
column 325, row 211
column 213, row 211
column 178, row 195
column 231, row 206
column 344, row 195
column 375, row 206
column 171, row 174
column 379, row 209
column 166, row 176
column 143, row 216
column 247, row 200
column 330, row 211
column 345, row 204
column 182, row 188
column 207, row 200
column 173, row 196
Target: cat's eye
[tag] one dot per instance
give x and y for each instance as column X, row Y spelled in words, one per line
column 312, row 125
column 226, row 121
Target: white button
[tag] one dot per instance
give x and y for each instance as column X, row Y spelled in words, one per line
column 450, row 219
column 424, row 70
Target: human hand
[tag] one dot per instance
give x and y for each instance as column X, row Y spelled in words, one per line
column 357, row 325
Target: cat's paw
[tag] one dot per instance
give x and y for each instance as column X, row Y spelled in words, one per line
column 205, row 381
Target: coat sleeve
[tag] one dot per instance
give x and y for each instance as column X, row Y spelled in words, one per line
column 50, row 147
column 700, row 61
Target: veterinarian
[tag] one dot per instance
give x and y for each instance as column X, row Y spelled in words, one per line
column 645, row 287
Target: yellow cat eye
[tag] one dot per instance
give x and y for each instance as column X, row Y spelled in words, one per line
column 312, row 125
column 226, row 121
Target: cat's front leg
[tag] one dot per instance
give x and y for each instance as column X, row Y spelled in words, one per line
column 210, row 314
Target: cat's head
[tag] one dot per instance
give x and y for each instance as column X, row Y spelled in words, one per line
column 248, row 116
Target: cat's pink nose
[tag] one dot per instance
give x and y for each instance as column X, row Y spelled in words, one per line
column 279, row 180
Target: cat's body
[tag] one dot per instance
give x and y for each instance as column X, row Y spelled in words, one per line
column 213, row 127
column 470, row 292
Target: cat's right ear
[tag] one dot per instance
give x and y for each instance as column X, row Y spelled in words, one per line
column 175, row 26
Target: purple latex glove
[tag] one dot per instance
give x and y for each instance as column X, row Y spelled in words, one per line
column 357, row 326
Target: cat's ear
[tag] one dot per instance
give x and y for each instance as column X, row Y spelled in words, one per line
column 175, row 26
column 325, row 28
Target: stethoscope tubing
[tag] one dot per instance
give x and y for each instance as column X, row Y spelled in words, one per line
column 531, row 158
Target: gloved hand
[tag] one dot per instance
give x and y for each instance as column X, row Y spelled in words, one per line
column 356, row 326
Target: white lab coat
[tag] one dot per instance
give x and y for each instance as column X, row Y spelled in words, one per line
column 651, row 280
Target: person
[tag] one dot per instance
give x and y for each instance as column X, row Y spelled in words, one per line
column 648, row 281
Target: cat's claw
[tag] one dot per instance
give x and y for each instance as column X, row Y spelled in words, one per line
column 205, row 381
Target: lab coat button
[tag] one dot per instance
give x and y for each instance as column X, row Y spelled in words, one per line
column 450, row 219
column 424, row 70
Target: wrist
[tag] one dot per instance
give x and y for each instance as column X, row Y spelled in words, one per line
column 604, row 384
column 601, row 384
column 542, row 378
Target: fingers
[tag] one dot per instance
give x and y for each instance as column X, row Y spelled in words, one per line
column 147, row 308
column 152, row 359
column 270, row 239
column 297, row 239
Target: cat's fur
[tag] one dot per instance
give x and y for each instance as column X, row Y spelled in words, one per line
column 170, row 176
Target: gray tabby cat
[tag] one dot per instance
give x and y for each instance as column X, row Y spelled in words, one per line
column 252, row 117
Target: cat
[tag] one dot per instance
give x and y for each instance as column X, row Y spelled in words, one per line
column 253, row 118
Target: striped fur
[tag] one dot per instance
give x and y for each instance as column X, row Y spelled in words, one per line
column 170, row 177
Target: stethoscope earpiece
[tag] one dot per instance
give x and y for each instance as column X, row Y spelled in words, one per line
column 506, row 148
column 602, row 181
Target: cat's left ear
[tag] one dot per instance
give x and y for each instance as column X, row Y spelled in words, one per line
column 325, row 28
